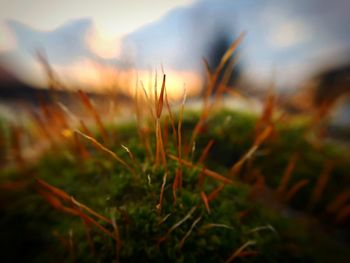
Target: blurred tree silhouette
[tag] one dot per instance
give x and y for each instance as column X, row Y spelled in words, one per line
column 332, row 84
column 221, row 43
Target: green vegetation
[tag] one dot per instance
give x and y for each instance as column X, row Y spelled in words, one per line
column 238, row 215
column 212, row 185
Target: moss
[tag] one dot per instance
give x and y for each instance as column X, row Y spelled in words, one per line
column 41, row 233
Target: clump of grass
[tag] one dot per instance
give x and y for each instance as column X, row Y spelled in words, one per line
column 207, row 195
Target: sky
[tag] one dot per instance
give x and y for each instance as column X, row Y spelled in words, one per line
column 288, row 39
column 112, row 18
column 110, row 21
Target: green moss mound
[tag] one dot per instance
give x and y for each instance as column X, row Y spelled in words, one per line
column 266, row 229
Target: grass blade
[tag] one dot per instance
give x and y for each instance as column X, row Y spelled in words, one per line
column 240, row 250
column 206, row 171
column 189, row 231
column 296, row 188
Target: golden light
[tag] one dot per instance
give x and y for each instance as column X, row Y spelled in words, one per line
column 95, row 77
column 104, row 44
column 176, row 81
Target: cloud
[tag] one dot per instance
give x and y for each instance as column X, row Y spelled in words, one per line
column 70, row 48
column 288, row 34
column 62, row 45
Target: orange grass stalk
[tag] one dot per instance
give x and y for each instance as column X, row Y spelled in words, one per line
column 243, row 214
column 95, row 223
column 52, row 77
column 68, row 112
column 206, row 171
column 160, row 152
column 210, row 85
column 90, row 107
column 160, row 101
column 41, row 126
column 59, row 117
column 260, row 138
column 229, row 53
column 155, row 93
column 206, row 151
column 213, row 77
column 172, row 121
column 296, row 188
column 225, row 58
column 106, row 150
column 85, row 129
column 177, row 182
column 56, row 203
column 165, row 218
column 215, row 192
column 205, row 201
column 53, row 190
column 235, row 169
column 80, row 147
column 338, row 201
column 259, row 185
column 44, row 109
column 287, row 175
column 132, row 157
column 267, row 112
column 197, row 129
column 148, row 101
column 53, row 118
column 144, row 134
column 52, row 197
column 225, row 79
column 207, row 68
column 90, row 211
column 320, row 184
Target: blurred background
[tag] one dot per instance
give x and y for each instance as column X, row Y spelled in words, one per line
column 301, row 47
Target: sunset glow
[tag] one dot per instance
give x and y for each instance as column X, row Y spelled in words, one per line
column 104, row 44
column 102, row 78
